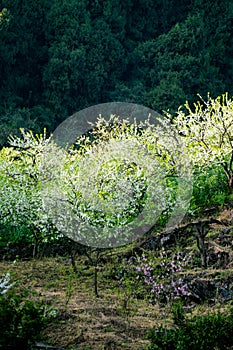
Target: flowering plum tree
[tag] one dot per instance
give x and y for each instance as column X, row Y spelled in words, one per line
column 20, row 191
column 114, row 185
column 208, row 131
column 113, row 188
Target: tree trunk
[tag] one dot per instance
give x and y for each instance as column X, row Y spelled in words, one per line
column 94, row 262
column 73, row 255
column 96, row 280
column 230, row 182
column 201, row 232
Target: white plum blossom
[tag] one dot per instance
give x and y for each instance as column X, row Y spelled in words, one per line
column 4, row 283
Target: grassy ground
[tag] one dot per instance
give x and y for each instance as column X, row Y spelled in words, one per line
column 81, row 320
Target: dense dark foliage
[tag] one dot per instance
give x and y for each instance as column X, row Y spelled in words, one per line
column 21, row 322
column 198, row 333
column 59, row 56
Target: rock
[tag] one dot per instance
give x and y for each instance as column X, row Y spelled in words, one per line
column 202, row 290
column 226, row 294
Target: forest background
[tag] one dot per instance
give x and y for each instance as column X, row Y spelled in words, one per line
column 60, row 56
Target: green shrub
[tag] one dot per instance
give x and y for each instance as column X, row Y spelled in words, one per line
column 205, row 332
column 210, row 188
column 20, row 322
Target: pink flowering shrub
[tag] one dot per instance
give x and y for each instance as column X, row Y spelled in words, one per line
column 163, row 278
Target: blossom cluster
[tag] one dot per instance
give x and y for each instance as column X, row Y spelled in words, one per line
column 4, row 283
column 164, row 280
